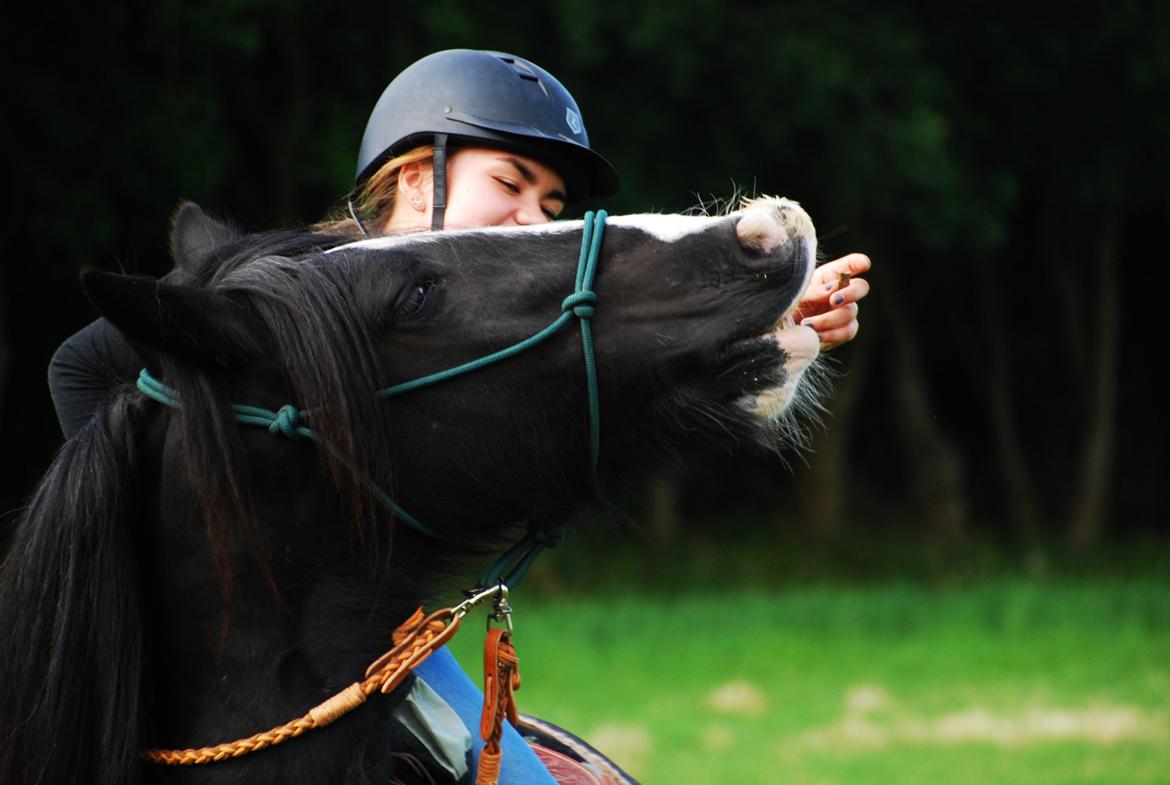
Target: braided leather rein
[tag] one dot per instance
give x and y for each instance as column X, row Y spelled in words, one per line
column 414, row 640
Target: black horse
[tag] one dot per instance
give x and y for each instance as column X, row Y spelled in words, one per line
column 181, row 579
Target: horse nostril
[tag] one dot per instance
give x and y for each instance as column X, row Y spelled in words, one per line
column 768, row 223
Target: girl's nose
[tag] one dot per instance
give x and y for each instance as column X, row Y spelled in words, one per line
column 530, row 212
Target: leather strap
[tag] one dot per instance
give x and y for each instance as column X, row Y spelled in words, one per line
column 414, row 641
column 439, row 182
column 501, row 679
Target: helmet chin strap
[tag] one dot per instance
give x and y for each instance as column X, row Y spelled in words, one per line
column 439, row 174
column 354, row 215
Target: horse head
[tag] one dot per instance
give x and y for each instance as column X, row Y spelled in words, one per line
column 691, row 330
column 256, row 570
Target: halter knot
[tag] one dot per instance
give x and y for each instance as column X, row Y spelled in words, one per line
column 580, row 303
column 547, row 533
column 287, row 419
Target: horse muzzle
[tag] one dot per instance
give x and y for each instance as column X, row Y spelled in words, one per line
column 779, row 228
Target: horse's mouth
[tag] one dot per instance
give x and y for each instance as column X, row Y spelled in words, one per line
column 800, row 347
column 765, row 361
column 766, row 367
column 769, row 367
column 796, row 346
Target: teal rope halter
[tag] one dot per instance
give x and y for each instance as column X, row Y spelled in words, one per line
column 579, row 304
column 543, row 532
column 286, row 420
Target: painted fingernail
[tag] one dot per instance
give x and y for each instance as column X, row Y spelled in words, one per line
column 838, row 299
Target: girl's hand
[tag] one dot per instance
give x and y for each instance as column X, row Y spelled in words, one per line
column 829, row 304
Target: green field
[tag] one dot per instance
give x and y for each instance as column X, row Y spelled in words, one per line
column 1003, row 683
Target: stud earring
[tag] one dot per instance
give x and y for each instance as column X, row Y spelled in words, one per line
column 417, row 203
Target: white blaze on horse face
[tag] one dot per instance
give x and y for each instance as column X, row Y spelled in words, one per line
column 667, row 227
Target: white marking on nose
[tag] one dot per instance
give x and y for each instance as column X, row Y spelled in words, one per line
column 667, row 227
column 769, row 222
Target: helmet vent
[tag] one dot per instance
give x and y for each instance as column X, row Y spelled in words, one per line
column 522, row 69
column 526, row 72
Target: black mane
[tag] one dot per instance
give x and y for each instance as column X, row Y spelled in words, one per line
column 76, row 707
column 327, row 358
column 87, row 575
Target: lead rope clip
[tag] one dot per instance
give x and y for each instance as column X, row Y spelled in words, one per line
column 501, row 679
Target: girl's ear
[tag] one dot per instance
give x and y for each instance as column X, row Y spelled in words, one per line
column 195, row 234
column 198, row 325
column 415, row 184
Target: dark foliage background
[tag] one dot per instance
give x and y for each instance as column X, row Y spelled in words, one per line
column 1005, row 171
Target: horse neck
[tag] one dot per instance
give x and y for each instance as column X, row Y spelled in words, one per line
column 303, row 611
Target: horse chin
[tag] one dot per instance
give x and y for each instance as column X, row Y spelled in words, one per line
column 772, row 407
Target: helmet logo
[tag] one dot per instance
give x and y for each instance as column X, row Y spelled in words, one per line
column 574, row 120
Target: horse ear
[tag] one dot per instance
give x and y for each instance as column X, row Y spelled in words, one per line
column 198, row 325
column 195, row 234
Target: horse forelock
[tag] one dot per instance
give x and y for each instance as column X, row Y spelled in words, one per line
column 227, row 260
column 312, row 316
column 322, row 353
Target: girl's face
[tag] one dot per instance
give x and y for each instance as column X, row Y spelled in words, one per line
column 487, row 187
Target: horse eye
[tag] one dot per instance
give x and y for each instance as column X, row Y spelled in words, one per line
column 417, row 299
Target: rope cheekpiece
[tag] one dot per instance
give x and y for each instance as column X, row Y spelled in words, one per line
column 579, row 305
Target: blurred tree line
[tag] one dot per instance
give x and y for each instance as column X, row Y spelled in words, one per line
column 1004, row 169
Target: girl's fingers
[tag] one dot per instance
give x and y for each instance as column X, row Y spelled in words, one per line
column 834, row 319
column 840, row 335
column 829, row 273
column 857, row 289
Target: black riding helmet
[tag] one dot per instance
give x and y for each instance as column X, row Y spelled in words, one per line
column 490, row 99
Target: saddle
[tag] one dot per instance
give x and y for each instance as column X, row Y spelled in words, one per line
column 429, row 737
column 569, row 760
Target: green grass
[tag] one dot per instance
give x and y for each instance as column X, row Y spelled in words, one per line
column 1005, row 683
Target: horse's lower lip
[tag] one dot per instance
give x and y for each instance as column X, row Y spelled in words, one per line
column 799, row 343
column 751, row 363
